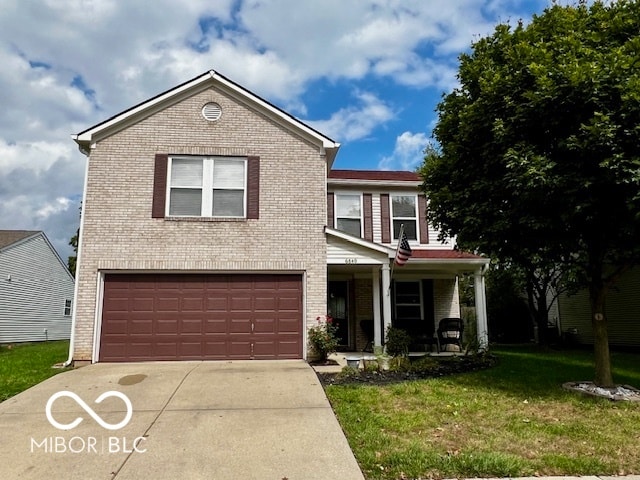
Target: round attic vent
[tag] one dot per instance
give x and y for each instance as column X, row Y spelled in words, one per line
column 211, row 111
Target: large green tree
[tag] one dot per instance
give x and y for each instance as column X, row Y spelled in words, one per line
column 538, row 149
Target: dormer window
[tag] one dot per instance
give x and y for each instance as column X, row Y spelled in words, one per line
column 404, row 212
column 349, row 214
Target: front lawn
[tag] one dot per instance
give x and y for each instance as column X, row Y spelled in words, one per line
column 22, row 366
column 508, row 421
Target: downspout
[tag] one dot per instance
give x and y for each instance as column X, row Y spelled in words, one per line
column 78, row 262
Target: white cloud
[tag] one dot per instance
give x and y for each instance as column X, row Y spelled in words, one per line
column 40, row 187
column 356, row 122
column 407, row 154
column 68, row 64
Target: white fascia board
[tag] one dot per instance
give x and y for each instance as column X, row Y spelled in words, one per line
column 88, row 135
column 359, row 241
column 326, row 142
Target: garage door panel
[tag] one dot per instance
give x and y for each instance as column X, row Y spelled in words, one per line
column 115, row 327
column 167, row 304
column 141, row 304
column 166, row 327
column 268, row 304
column 288, row 326
column 144, row 327
column 215, row 326
column 201, row 317
column 217, row 303
column 238, row 348
column 265, row 325
column 239, row 325
column 240, row 303
column 191, row 326
column 164, row 350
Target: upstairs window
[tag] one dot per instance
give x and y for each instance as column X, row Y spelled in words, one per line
column 404, row 212
column 207, row 187
column 349, row 214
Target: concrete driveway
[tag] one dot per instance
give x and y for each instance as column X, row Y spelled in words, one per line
column 193, row 420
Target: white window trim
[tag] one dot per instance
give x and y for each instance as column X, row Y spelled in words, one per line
column 335, row 209
column 70, row 308
column 207, row 185
column 394, row 239
column 395, row 297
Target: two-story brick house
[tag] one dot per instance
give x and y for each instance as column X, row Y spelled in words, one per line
column 213, row 228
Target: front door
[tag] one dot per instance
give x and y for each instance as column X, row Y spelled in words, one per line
column 338, row 309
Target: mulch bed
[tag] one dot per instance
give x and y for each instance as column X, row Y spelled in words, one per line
column 443, row 367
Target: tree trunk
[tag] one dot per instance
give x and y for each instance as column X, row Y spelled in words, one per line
column 597, row 295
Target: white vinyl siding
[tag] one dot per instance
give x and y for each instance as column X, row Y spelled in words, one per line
column 34, row 284
column 376, row 214
column 404, row 211
column 348, row 210
column 207, row 187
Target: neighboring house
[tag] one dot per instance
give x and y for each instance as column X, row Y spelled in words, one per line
column 622, row 309
column 206, row 234
column 36, row 289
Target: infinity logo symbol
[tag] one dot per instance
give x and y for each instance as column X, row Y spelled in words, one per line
column 89, row 410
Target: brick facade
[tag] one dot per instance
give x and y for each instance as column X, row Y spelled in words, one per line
column 446, row 299
column 119, row 232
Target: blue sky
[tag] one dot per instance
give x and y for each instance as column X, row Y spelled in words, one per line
column 367, row 73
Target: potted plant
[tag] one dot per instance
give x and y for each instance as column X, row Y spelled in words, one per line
column 323, row 338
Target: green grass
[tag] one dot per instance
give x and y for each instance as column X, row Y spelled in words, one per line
column 511, row 420
column 22, row 366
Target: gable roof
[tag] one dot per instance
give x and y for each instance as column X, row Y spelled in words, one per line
column 9, row 237
column 374, row 177
column 206, row 80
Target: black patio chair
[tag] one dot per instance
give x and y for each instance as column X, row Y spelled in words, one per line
column 450, row 333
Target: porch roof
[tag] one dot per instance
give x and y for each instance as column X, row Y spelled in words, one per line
column 345, row 249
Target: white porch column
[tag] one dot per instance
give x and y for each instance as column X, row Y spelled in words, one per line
column 481, row 309
column 386, row 299
column 377, row 328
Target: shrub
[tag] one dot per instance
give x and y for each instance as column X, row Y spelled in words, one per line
column 398, row 342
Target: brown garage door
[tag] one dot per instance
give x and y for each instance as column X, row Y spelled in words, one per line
column 201, row 317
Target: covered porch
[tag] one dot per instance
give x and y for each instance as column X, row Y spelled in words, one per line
column 366, row 293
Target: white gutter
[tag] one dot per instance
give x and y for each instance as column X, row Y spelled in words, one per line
column 77, row 276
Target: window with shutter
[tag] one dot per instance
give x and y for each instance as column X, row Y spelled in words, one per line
column 404, row 212
column 349, row 214
column 207, row 187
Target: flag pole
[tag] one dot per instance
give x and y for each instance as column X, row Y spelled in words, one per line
column 394, row 258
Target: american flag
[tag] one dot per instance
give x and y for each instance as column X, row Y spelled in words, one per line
column 404, row 250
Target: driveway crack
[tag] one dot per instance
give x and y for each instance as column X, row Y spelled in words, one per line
column 153, row 422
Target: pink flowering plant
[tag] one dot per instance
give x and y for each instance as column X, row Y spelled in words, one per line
column 323, row 337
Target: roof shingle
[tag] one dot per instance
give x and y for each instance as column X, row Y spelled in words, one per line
column 8, row 237
column 381, row 175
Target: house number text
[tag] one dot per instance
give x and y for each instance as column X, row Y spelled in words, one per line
column 350, row 261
